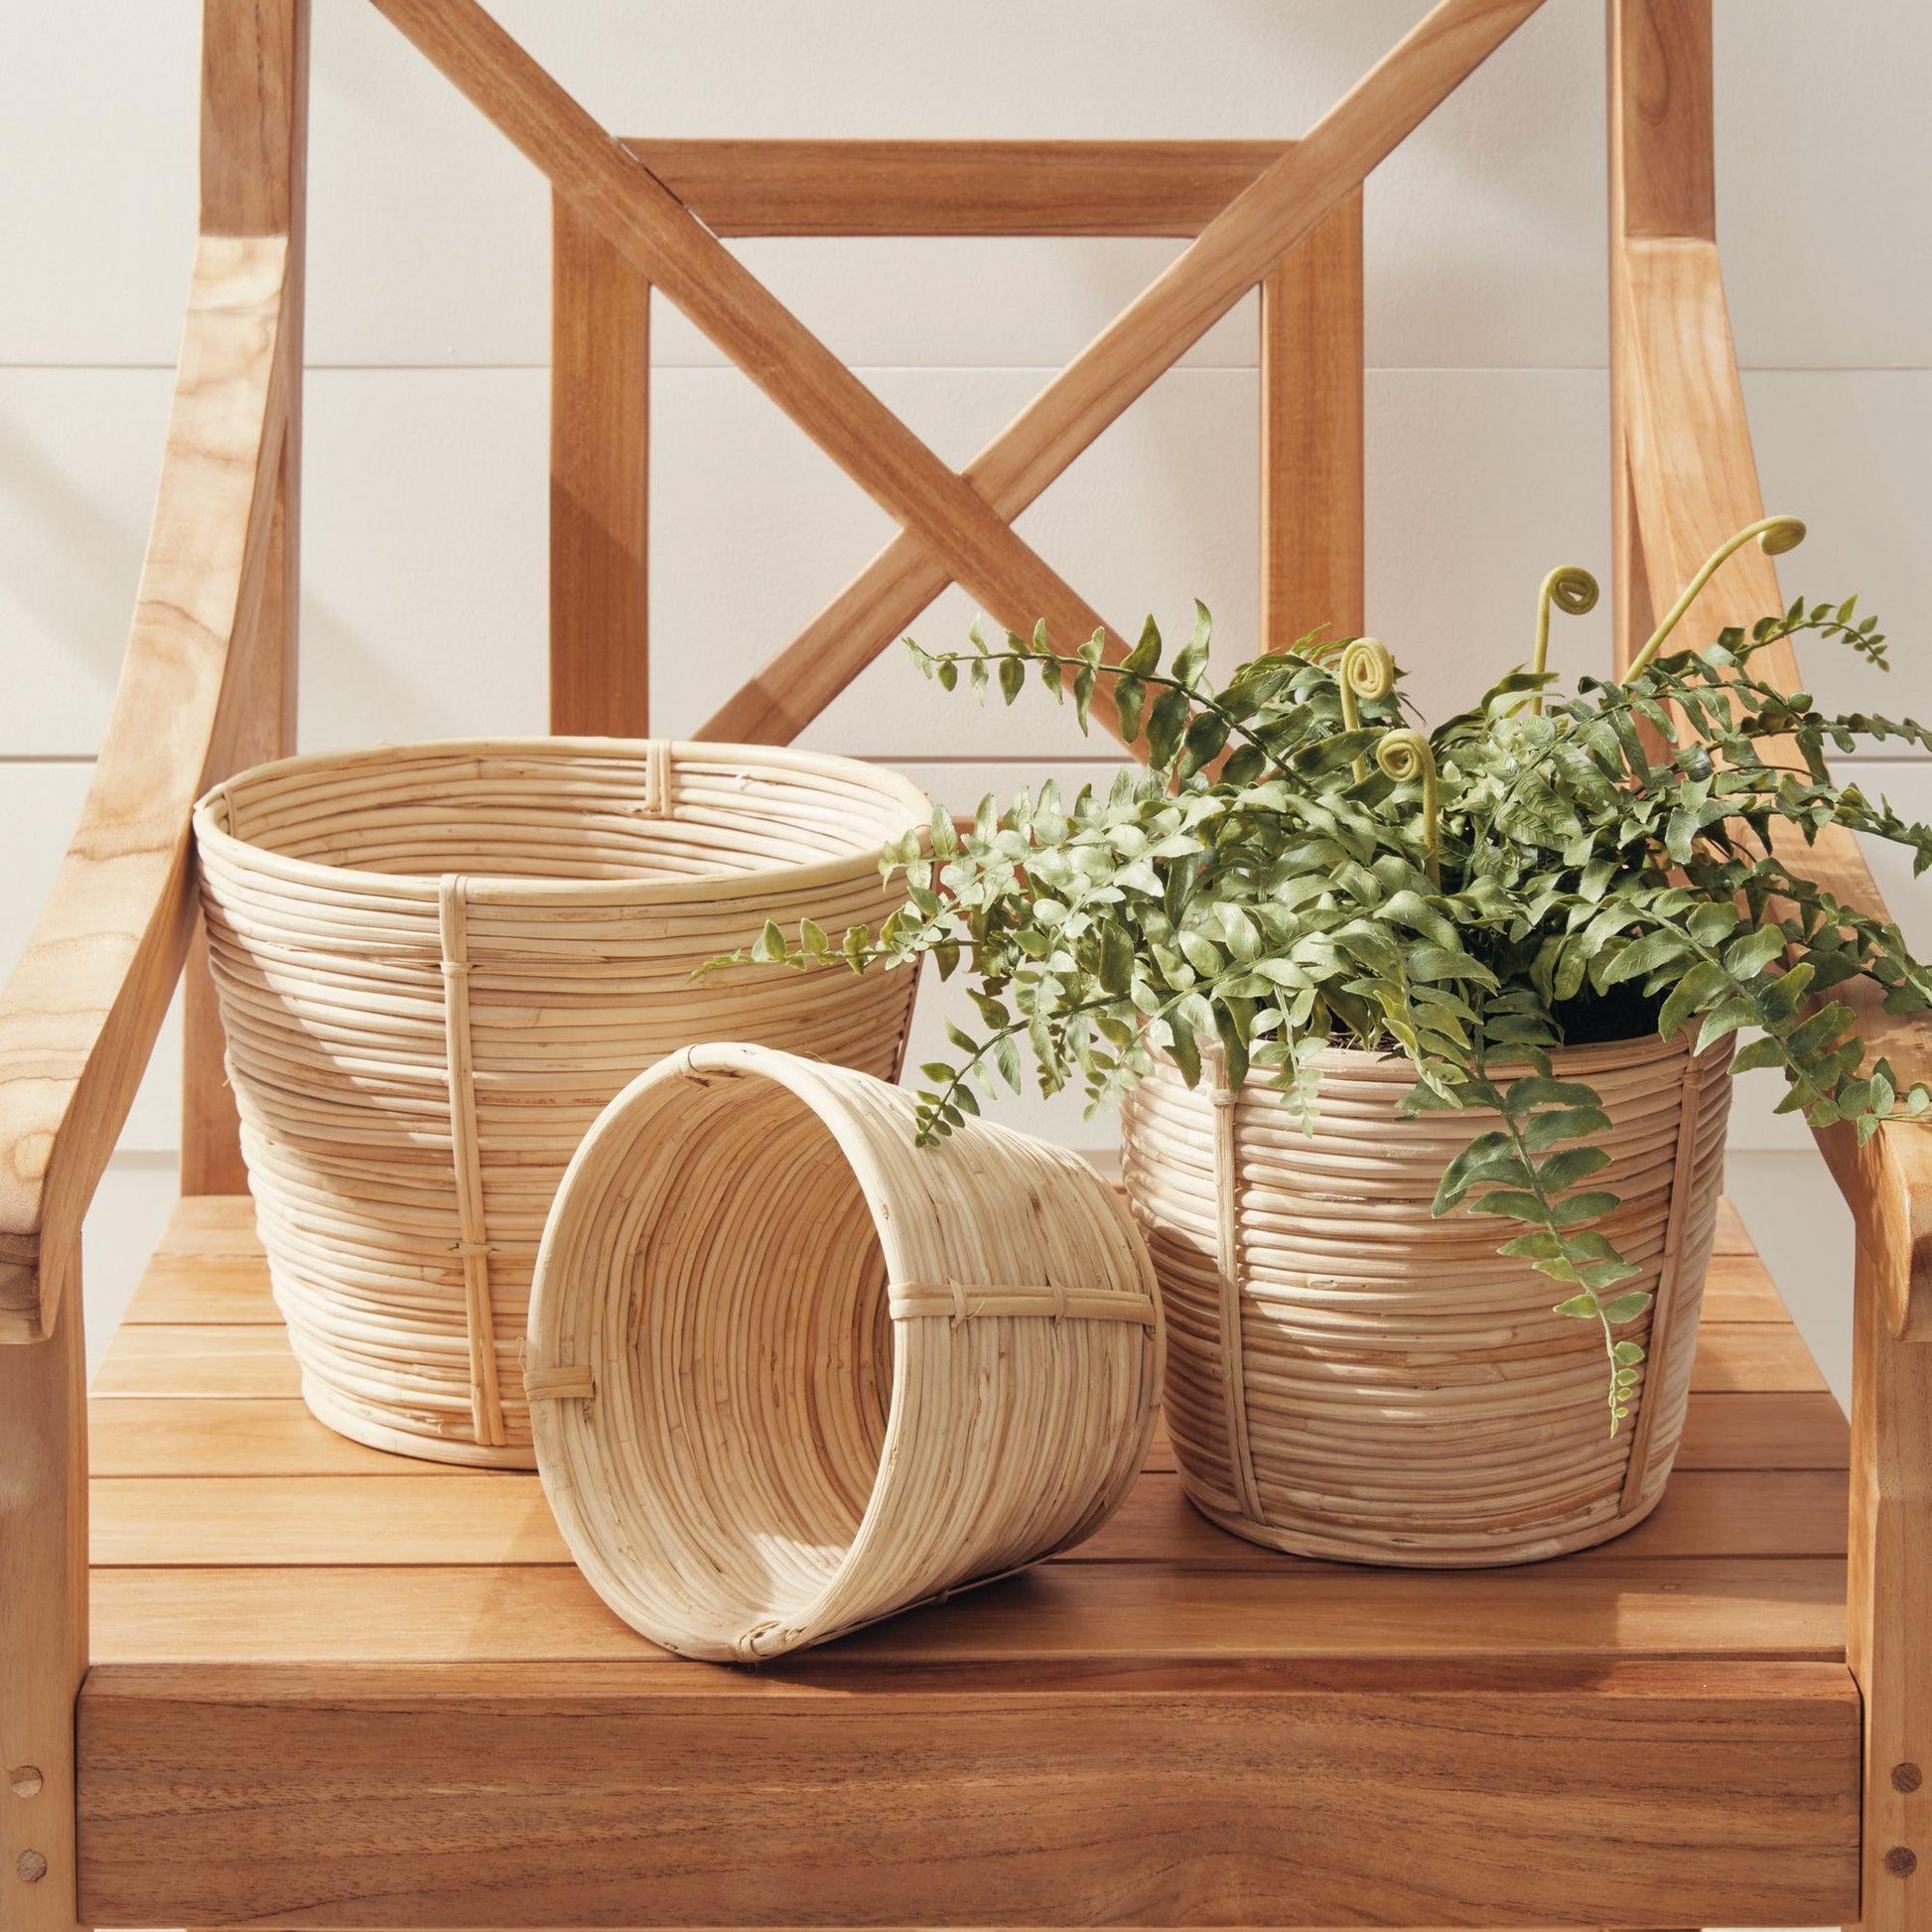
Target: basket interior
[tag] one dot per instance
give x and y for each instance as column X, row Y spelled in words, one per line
column 529, row 809
column 733, row 1271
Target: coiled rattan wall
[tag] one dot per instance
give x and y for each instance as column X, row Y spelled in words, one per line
column 437, row 963
column 1350, row 1377
column 791, row 1373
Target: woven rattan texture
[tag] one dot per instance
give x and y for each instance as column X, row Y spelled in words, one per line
column 832, row 1373
column 437, row 963
column 1350, row 1377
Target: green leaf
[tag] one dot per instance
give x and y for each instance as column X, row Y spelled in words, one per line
column 1202, row 953
column 1409, row 908
column 1702, row 984
column 1182, row 1045
column 1512, row 1201
column 1166, row 722
column 1536, row 1090
column 1241, row 933
column 1006, row 1056
column 1116, row 957
column 1204, row 737
column 1643, row 956
column 1766, row 1050
column 1625, row 1307
column 1083, row 682
column 1745, row 958
column 1573, row 1210
column 1193, row 660
column 1145, row 657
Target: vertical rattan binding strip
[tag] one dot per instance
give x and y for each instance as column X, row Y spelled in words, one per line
column 485, row 1401
column 1234, row 1380
column 1670, row 1274
column 657, row 777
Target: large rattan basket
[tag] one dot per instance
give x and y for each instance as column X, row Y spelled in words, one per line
column 1349, row 1377
column 437, row 963
column 790, row 1372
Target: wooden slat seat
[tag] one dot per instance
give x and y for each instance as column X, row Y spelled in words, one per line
column 288, row 1625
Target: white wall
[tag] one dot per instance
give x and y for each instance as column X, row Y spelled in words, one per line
column 425, row 493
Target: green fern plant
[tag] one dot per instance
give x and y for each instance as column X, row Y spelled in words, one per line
column 1298, row 864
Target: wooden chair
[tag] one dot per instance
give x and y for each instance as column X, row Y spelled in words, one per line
column 306, row 1684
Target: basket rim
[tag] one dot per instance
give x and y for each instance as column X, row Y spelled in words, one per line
column 1632, row 1053
column 506, row 888
column 561, row 1467
column 558, row 1467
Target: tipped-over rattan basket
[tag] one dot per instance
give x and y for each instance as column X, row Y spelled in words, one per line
column 1349, row 1377
column 437, row 963
column 790, row 1372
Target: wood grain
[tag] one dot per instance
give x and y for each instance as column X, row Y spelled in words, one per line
column 617, row 195
column 282, row 1615
column 1695, row 481
column 451, row 1799
column 1661, row 180
column 1312, row 542
column 80, row 1016
column 1662, row 119
column 1135, row 1616
column 241, row 1436
column 956, row 188
column 43, row 1627
column 1684, row 476
column 197, row 1359
column 224, row 1289
column 1232, row 254
column 600, row 458
column 170, row 1435
column 1732, row 1237
column 1890, row 1591
column 1764, row 1431
column 461, row 1517
column 211, row 1225
column 254, row 175
column 1761, row 1356
column 247, row 1360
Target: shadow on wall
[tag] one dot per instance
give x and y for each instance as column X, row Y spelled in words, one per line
column 70, row 562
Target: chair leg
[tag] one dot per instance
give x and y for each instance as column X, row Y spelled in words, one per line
column 1890, row 1604
column 43, row 1618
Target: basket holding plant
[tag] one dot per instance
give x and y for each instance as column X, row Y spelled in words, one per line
column 1301, row 865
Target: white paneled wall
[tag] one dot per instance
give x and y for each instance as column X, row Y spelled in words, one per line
column 424, row 608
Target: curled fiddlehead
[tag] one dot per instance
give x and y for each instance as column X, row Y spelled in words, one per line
column 1569, row 588
column 1776, row 535
column 1367, row 671
column 1404, row 755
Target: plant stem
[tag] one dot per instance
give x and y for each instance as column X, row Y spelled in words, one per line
column 1158, row 678
column 1776, row 535
column 1572, row 587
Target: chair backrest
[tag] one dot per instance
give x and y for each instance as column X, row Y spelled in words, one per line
column 1310, row 359
column 636, row 217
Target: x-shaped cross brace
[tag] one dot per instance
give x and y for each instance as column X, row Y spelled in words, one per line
column 952, row 525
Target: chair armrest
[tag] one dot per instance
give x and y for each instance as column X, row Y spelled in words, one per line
column 1887, row 1184
column 80, row 1016
column 1692, row 481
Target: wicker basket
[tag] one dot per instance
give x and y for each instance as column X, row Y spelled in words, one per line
column 791, row 1373
column 436, row 963
column 1348, row 1377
